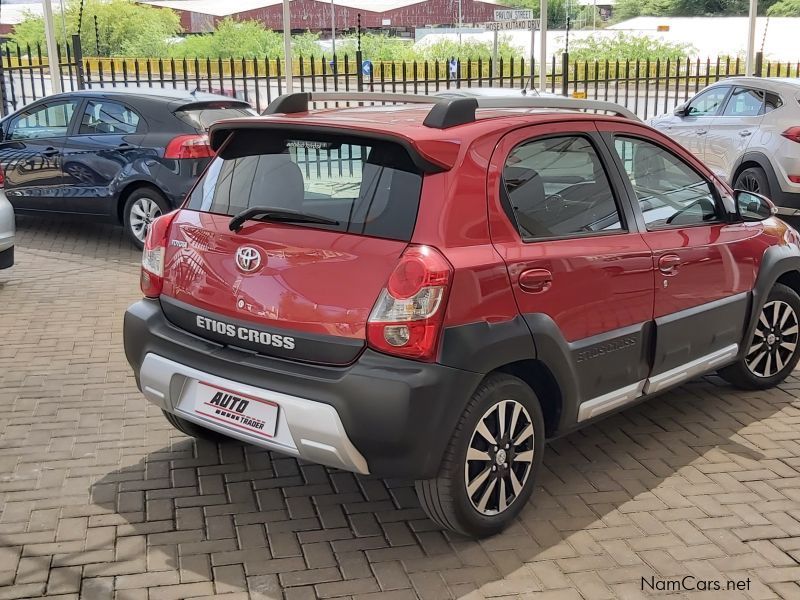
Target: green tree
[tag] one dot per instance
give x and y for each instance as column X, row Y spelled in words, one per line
column 625, row 47
column 125, row 28
column 626, row 9
column 469, row 50
column 376, row 46
column 557, row 12
column 231, row 39
column 785, row 8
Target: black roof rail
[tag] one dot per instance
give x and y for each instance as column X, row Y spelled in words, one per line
column 446, row 112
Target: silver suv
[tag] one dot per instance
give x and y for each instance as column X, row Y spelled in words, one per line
column 6, row 230
column 747, row 130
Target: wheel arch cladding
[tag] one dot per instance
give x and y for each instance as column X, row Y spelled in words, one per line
column 780, row 264
column 542, row 360
column 541, row 380
column 756, row 159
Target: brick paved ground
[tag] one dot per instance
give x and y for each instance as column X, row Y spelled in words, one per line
column 101, row 498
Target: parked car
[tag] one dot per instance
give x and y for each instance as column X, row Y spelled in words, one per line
column 747, row 131
column 430, row 291
column 115, row 154
column 7, row 228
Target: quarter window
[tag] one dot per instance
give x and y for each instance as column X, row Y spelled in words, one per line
column 557, row 187
column 744, row 103
column 669, row 191
column 707, row 103
column 102, row 116
column 773, row 101
column 48, row 121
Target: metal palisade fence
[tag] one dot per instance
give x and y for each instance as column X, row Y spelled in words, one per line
column 647, row 87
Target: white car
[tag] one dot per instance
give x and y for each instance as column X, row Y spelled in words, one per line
column 6, row 230
column 747, row 130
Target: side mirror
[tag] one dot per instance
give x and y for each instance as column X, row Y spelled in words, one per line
column 753, row 207
column 681, row 110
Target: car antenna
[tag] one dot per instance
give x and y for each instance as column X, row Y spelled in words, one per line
column 196, row 89
column 527, row 83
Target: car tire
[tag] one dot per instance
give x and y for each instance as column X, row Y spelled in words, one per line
column 753, row 179
column 506, row 469
column 773, row 350
column 193, row 430
column 142, row 206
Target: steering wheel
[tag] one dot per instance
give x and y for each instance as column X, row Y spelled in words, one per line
column 554, row 203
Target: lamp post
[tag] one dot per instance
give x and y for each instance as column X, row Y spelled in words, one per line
column 53, row 59
column 287, row 46
column 333, row 29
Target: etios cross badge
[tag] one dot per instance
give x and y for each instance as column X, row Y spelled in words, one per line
column 248, row 259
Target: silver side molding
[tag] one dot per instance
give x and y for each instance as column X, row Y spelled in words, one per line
column 691, row 369
column 617, row 398
column 610, row 401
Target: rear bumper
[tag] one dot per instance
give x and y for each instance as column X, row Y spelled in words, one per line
column 387, row 416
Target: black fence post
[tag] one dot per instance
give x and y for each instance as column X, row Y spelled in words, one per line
column 360, row 70
column 77, row 54
column 564, row 74
column 3, row 104
column 759, row 64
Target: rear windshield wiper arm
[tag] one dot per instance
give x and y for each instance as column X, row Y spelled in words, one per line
column 278, row 215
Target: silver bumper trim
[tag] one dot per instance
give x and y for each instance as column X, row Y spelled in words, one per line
column 307, row 429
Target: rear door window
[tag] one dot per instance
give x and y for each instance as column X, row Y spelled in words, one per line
column 744, row 102
column 558, row 187
column 370, row 188
column 105, row 116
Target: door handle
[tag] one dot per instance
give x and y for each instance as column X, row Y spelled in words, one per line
column 125, row 147
column 702, row 131
column 668, row 264
column 745, row 133
column 50, row 151
column 535, row 281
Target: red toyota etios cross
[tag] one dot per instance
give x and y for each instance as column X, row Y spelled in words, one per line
column 430, row 288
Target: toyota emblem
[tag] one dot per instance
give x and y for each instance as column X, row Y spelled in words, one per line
column 248, row 259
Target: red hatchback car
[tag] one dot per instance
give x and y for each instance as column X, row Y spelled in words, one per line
column 430, row 289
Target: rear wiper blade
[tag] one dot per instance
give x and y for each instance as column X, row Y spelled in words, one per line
column 278, row 215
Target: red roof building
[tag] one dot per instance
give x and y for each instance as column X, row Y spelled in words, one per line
column 201, row 15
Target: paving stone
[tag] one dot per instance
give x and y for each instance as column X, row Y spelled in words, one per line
column 103, row 499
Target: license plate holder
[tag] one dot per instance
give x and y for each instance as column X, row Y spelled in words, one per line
column 236, row 411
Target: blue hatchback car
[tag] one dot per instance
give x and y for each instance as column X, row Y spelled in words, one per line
column 124, row 155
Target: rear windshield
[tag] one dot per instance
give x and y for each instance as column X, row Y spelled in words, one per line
column 202, row 117
column 369, row 188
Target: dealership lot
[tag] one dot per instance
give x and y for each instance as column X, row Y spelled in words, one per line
column 102, row 498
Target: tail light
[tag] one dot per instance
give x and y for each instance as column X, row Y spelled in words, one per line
column 189, row 146
column 407, row 318
column 155, row 246
column 793, row 133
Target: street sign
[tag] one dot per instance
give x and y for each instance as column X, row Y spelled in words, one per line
column 506, row 25
column 513, row 15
